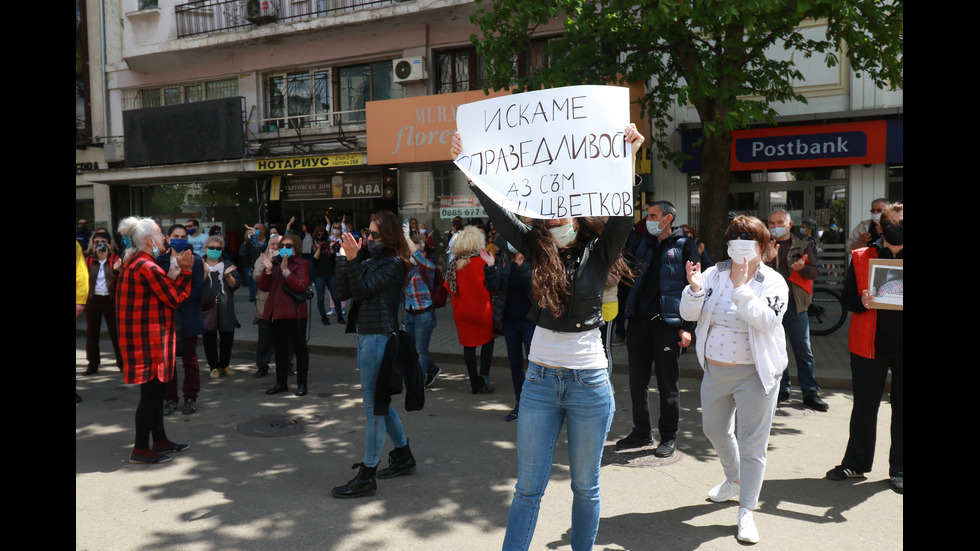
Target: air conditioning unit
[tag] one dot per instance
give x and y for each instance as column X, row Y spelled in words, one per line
column 115, row 152
column 261, row 11
column 409, row 69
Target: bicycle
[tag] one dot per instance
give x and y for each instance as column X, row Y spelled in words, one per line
column 826, row 311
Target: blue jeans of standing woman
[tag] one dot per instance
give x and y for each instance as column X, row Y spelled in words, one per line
column 324, row 283
column 551, row 397
column 370, row 351
column 420, row 326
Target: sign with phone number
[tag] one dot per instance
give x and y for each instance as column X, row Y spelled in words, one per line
column 466, row 212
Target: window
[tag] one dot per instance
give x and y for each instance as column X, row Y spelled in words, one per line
column 360, row 84
column 301, row 97
column 173, row 94
column 459, row 71
column 147, row 4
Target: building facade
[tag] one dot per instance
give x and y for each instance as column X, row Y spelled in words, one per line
column 238, row 111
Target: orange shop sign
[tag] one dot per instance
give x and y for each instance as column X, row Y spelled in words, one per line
column 415, row 130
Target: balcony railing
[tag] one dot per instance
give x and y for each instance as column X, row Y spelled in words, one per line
column 212, row 16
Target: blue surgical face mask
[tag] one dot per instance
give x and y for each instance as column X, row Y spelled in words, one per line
column 156, row 251
column 511, row 248
column 191, row 231
column 178, row 244
column 653, row 228
column 284, row 252
column 127, row 242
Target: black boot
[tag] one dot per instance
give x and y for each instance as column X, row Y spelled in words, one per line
column 362, row 485
column 340, row 319
column 400, row 461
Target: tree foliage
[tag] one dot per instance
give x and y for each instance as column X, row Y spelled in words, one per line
column 710, row 53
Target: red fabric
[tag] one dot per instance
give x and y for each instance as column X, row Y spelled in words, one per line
column 472, row 311
column 804, row 283
column 279, row 305
column 145, row 303
column 861, row 336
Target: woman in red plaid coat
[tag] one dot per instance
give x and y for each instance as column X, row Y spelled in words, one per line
column 146, row 298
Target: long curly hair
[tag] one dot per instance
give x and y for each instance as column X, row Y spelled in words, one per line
column 550, row 283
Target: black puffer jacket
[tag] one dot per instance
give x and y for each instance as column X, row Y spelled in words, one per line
column 376, row 285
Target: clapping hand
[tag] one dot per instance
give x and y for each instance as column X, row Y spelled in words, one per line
column 349, row 246
column 266, row 258
column 486, row 256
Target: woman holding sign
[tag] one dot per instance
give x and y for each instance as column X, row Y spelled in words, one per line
column 566, row 377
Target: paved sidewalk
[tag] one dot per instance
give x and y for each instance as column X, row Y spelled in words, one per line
column 260, row 469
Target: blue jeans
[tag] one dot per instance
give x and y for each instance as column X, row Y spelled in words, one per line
column 516, row 335
column 324, row 283
column 370, row 351
column 798, row 334
column 550, row 397
column 421, row 327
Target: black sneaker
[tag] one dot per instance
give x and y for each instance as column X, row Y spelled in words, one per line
column 840, row 472
column 666, row 448
column 634, row 440
column 169, row 407
column 431, row 376
column 190, row 406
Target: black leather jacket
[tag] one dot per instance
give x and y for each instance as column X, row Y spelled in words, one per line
column 376, row 285
column 586, row 263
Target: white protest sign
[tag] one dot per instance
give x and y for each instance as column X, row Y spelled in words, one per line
column 554, row 153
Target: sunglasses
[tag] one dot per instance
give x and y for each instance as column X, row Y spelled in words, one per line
column 376, row 236
column 214, row 248
column 285, row 245
column 743, row 236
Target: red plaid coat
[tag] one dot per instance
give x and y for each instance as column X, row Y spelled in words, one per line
column 145, row 303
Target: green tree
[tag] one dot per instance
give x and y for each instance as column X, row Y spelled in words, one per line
column 711, row 53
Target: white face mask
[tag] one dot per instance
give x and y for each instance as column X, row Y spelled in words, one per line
column 740, row 249
column 653, row 228
column 564, row 235
column 876, row 217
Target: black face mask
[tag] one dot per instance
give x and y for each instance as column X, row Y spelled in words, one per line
column 892, row 232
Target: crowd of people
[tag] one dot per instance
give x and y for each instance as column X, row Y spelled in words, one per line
column 562, row 292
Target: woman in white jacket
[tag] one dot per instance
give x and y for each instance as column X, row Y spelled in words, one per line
column 738, row 305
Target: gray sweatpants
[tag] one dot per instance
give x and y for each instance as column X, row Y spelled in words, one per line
column 725, row 391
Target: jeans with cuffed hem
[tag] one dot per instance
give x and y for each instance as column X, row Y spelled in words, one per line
column 370, row 352
column 550, row 397
column 798, row 334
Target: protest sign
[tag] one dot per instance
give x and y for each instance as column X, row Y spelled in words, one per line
column 553, row 153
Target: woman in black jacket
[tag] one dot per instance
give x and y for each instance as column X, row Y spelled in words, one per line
column 372, row 272
column 566, row 378
column 218, row 304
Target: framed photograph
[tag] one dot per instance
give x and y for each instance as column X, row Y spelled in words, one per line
column 886, row 284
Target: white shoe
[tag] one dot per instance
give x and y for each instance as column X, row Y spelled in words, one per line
column 724, row 491
column 746, row 527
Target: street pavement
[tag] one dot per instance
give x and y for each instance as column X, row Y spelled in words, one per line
column 260, row 468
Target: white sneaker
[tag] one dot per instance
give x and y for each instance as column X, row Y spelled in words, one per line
column 724, row 491
column 746, row 527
